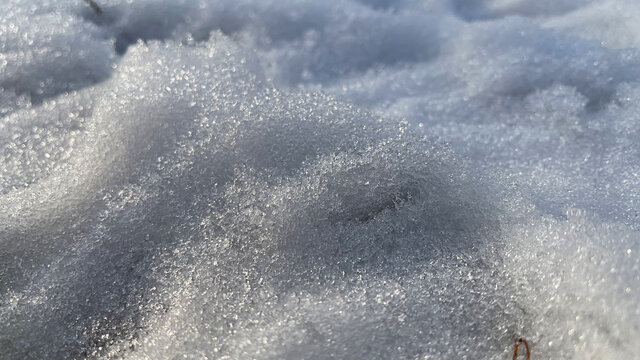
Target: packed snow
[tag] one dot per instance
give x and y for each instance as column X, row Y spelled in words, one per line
column 335, row 179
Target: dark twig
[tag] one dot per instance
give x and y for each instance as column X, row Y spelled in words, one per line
column 526, row 348
column 94, row 6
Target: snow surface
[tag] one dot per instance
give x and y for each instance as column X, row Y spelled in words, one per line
column 288, row 179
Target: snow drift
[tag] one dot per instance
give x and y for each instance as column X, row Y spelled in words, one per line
column 318, row 180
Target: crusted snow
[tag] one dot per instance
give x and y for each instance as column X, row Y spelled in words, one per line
column 319, row 179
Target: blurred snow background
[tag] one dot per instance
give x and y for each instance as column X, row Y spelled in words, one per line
column 288, row 179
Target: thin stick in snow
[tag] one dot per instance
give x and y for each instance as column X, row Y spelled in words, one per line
column 94, row 6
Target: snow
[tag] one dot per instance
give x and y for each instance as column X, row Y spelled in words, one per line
column 319, row 179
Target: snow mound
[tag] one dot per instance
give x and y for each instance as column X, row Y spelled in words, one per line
column 318, row 180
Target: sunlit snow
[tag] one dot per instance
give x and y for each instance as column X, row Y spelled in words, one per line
column 329, row 179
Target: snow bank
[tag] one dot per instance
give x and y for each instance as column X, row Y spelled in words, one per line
column 339, row 179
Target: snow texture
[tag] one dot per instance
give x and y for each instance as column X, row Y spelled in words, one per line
column 338, row 179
